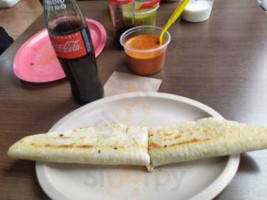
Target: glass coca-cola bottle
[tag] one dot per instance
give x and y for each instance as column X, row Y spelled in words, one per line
column 73, row 45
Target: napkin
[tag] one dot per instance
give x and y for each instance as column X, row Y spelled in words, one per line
column 122, row 83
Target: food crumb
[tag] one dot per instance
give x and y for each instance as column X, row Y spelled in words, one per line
column 115, row 148
column 61, row 135
column 165, row 146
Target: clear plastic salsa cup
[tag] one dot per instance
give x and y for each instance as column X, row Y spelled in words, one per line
column 142, row 57
column 145, row 16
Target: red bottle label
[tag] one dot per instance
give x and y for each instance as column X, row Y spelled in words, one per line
column 69, row 46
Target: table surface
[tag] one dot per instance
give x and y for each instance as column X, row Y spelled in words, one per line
column 221, row 62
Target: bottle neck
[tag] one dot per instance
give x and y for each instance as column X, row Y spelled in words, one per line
column 62, row 11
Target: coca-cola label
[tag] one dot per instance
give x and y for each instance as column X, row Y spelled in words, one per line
column 69, row 46
column 119, row 2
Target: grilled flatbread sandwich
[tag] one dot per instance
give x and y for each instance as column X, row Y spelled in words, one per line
column 113, row 144
column 205, row 138
column 117, row 144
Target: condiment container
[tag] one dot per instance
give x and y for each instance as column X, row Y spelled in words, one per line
column 145, row 56
column 169, row 1
column 197, row 10
column 263, row 4
column 145, row 16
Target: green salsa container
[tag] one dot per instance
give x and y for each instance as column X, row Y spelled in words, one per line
column 145, row 16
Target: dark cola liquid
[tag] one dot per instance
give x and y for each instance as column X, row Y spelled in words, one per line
column 82, row 72
column 117, row 36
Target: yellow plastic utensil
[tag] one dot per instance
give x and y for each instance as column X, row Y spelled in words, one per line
column 177, row 12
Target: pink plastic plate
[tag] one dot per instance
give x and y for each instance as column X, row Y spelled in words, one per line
column 36, row 60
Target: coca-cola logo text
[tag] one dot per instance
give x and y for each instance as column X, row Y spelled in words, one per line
column 69, row 46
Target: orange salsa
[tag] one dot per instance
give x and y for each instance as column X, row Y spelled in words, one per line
column 142, row 57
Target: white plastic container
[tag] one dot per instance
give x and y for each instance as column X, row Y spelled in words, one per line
column 263, row 4
column 8, row 3
column 197, row 10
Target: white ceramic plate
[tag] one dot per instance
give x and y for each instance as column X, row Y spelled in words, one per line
column 198, row 180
